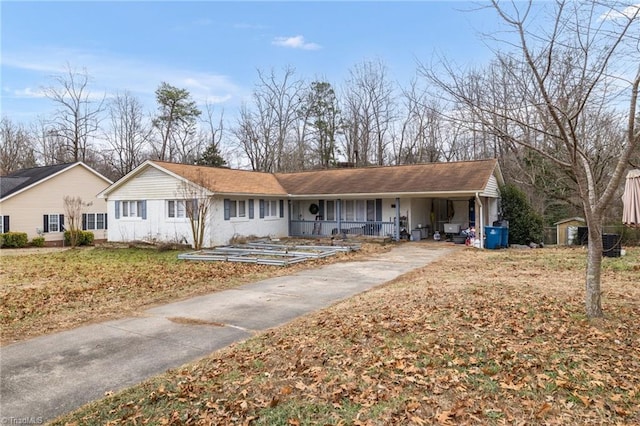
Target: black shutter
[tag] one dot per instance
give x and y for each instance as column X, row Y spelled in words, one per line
column 105, row 220
column 321, row 209
column 61, row 223
column 45, row 223
column 281, row 208
column 5, row 223
column 379, row 209
column 261, row 209
column 250, row 208
column 84, row 221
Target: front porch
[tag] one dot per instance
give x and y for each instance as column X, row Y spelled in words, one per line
column 328, row 228
column 395, row 218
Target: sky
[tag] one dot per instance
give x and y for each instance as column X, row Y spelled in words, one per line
column 214, row 49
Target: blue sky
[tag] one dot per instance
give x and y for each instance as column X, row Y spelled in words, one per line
column 213, row 48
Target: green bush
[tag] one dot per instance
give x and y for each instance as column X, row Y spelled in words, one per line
column 14, row 240
column 37, row 242
column 525, row 225
column 83, row 238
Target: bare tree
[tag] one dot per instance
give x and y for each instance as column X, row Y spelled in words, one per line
column 320, row 117
column 211, row 139
column 420, row 138
column 16, row 147
column 128, row 135
column 77, row 117
column 563, row 81
column 50, row 146
column 265, row 129
column 197, row 198
column 73, row 212
column 369, row 105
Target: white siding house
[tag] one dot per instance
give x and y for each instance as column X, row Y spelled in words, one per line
column 151, row 203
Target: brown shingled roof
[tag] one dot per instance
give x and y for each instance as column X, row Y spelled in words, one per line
column 464, row 176
column 227, row 181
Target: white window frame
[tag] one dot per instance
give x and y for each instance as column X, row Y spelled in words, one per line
column 131, row 209
column 100, row 217
column 176, row 209
column 54, row 222
column 241, row 208
column 98, row 221
column 330, row 210
column 270, row 209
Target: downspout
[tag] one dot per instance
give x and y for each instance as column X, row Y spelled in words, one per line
column 480, row 229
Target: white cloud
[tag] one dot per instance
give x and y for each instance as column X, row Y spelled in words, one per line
column 628, row 12
column 26, row 92
column 112, row 74
column 296, row 42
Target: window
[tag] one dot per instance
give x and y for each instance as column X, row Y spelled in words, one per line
column 53, row 223
column 134, row 209
column 4, row 224
column 176, row 208
column 348, row 210
column 359, row 210
column 237, row 208
column 94, row 221
column 270, row 208
column 101, row 221
column 330, row 210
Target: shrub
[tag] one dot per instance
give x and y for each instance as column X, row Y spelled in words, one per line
column 37, row 242
column 525, row 225
column 14, row 239
column 82, row 238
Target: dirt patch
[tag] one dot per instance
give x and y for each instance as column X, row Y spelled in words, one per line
column 194, row 321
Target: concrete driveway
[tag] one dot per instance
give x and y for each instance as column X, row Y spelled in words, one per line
column 45, row 377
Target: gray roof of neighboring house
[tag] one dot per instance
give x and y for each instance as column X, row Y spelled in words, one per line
column 16, row 181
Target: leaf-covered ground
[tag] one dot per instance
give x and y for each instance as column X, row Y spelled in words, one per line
column 46, row 292
column 482, row 337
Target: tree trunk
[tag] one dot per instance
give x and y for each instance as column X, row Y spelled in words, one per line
column 593, row 303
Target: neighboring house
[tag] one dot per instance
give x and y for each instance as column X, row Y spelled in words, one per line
column 32, row 200
column 151, row 203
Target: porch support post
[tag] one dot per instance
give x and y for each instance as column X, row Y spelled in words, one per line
column 479, row 220
column 290, row 225
column 397, row 236
column 339, row 215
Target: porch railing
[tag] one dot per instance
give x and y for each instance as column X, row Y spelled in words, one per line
column 327, row 228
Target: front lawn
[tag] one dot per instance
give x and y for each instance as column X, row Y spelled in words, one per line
column 481, row 337
column 47, row 292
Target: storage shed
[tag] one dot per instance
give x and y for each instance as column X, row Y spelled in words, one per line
column 567, row 230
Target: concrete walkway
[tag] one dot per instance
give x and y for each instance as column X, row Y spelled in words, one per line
column 51, row 375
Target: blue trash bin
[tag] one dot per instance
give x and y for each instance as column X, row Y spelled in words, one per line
column 494, row 237
column 504, row 240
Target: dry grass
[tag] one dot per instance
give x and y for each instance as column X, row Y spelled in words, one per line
column 45, row 292
column 481, row 337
